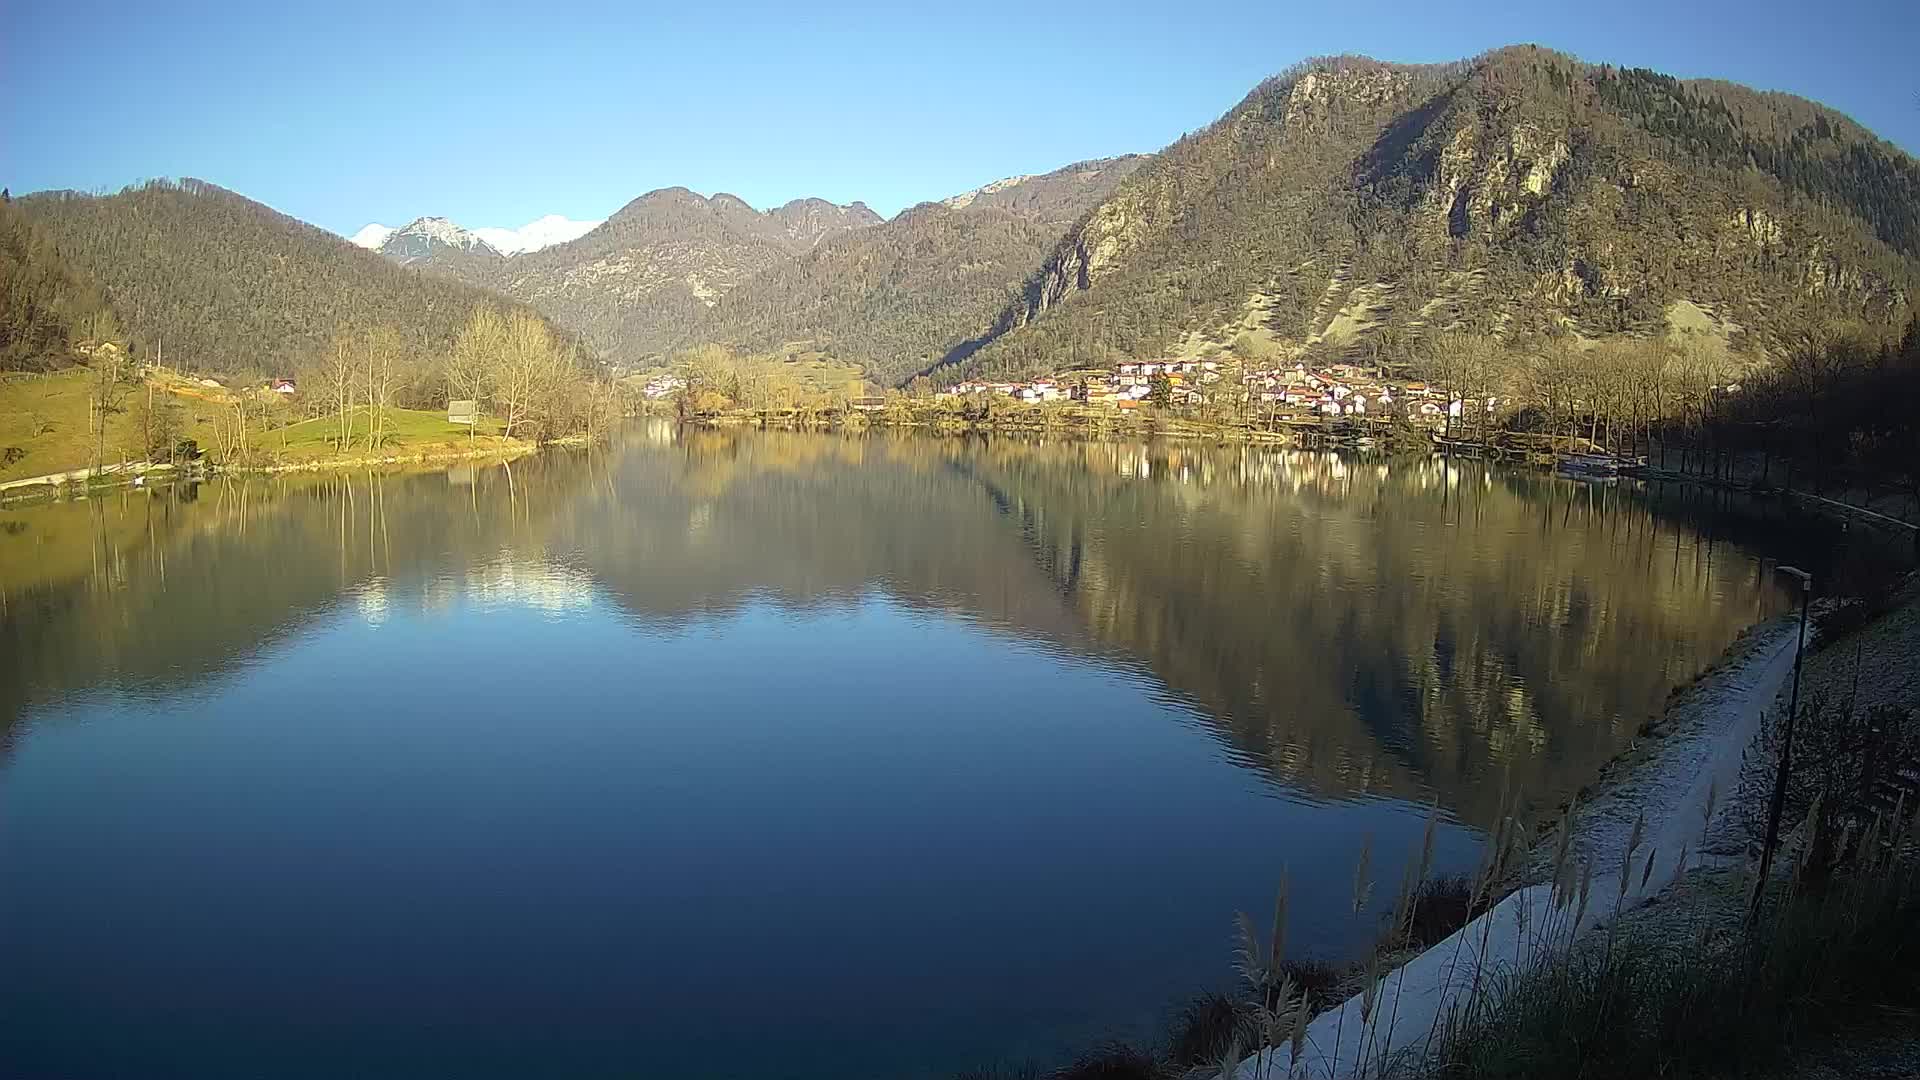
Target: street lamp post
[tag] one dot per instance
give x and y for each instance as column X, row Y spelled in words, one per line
column 1779, row 802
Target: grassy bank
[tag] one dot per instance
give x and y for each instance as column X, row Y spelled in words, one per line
column 47, row 427
column 406, row 433
column 47, row 424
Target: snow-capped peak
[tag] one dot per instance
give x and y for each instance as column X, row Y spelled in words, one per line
column 534, row 235
column 540, row 233
column 371, row 236
column 443, row 231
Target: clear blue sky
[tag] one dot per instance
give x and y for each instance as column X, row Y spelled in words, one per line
column 494, row 113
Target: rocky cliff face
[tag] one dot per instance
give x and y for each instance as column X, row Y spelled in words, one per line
column 1519, row 192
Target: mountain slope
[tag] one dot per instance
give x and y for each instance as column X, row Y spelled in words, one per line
column 895, row 297
column 646, row 275
column 227, row 285
column 1351, row 202
column 806, row 222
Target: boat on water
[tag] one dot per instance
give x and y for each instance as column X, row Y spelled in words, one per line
column 1589, row 466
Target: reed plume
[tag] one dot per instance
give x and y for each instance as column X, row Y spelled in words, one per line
column 1278, row 951
column 1362, row 875
column 1426, row 841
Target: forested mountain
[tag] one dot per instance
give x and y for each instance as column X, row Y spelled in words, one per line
column 227, row 285
column 1353, row 204
column 896, row 297
column 642, row 279
column 45, row 305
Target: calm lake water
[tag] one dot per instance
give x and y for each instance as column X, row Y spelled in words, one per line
column 718, row 755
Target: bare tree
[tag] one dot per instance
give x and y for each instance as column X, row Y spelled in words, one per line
column 475, row 353
column 333, row 384
column 517, row 372
column 380, row 351
column 107, row 386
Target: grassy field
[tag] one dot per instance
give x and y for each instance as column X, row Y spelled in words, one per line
column 45, row 424
column 45, row 427
column 409, row 431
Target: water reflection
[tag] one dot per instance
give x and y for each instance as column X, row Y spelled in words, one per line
column 1347, row 626
column 988, row 738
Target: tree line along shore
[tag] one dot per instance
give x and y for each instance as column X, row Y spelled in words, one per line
column 507, row 385
column 1831, row 416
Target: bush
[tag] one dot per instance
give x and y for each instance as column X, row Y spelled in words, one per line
column 1207, row 1027
column 1438, row 907
column 1319, row 981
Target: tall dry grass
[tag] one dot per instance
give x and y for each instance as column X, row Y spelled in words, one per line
column 1837, row 947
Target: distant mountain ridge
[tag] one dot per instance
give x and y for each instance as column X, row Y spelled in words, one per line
column 539, row 233
column 674, row 268
column 635, row 284
column 894, row 298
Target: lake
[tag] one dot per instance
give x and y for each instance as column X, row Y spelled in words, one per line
column 727, row 754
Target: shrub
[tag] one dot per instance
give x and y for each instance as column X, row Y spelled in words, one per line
column 1318, row 980
column 1206, row 1027
column 1438, row 907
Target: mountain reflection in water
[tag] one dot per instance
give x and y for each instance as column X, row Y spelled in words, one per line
column 1349, row 627
column 508, row 768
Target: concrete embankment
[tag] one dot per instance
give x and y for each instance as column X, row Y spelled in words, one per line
column 1680, row 779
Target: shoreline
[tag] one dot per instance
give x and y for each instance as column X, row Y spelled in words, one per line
column 52, row 485
column 322, row 465
column 1682, row 772
column 1044, row 421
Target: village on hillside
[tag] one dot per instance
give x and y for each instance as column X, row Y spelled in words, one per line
column 1335, row 390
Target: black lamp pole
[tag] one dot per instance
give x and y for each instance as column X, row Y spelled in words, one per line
column 1779, row 803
